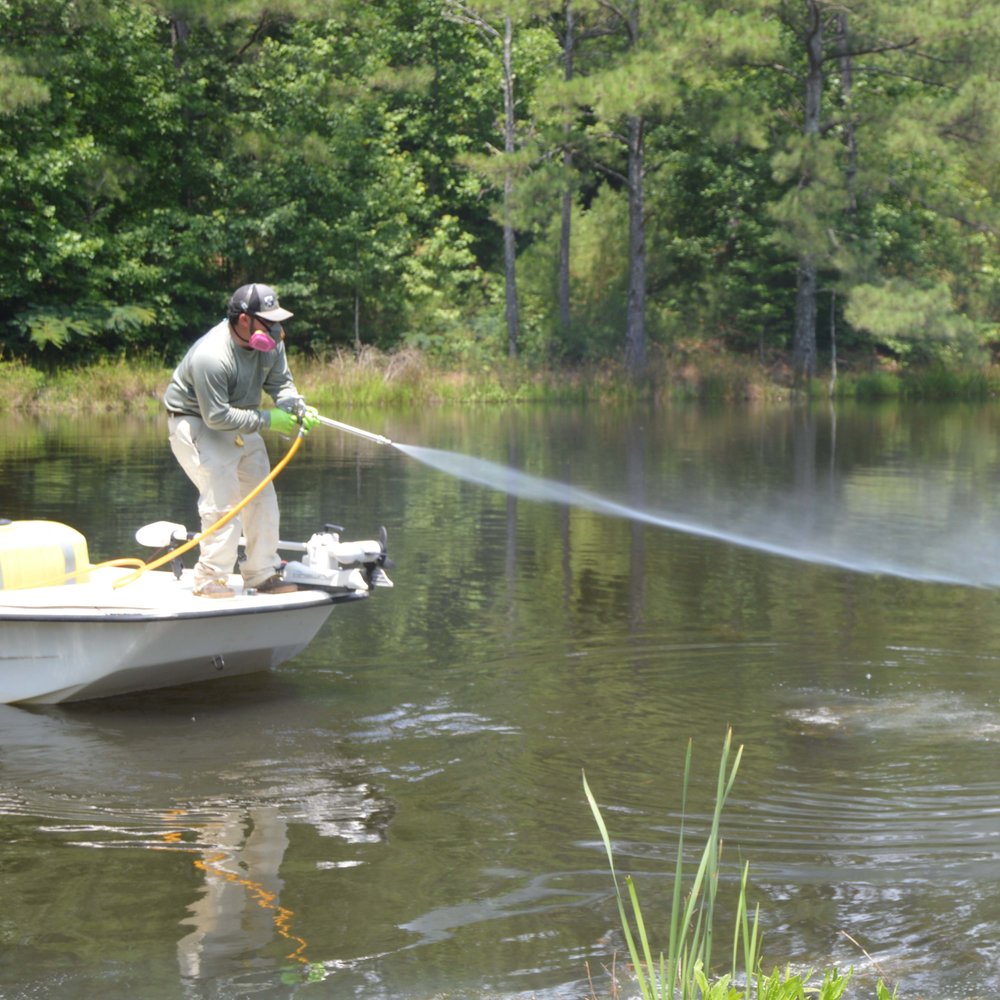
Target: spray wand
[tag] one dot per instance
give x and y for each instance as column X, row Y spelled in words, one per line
column 368, row 435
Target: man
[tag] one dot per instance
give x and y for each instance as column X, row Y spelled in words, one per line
column 213, row 401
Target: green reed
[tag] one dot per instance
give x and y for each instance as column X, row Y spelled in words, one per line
column 691, row 929
column 682, row 973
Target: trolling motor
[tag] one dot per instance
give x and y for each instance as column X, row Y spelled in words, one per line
column 327, row 563
column 335, row 566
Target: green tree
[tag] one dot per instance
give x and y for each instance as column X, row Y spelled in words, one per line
column 521, row 48
column 77, row 172
column 642, row 81
column 881, row 88
column 498, row 31
column 337, row 173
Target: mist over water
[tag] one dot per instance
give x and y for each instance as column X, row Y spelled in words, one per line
column 903, row 547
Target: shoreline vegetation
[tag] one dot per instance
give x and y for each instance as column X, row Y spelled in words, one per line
column 405, row 377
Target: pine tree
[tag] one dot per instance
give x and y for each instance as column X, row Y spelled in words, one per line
column 880, row 85
column 655, row 60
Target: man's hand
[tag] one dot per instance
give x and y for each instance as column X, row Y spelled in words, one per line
column 281, row 421
column 310, row 417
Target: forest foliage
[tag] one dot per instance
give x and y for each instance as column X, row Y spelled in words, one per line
column 572, row 182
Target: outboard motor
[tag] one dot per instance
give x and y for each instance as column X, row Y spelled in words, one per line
column 335, row 566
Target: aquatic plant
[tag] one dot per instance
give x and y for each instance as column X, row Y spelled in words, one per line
column 682, row 973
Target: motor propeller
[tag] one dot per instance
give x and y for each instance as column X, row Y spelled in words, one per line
column 376, row 575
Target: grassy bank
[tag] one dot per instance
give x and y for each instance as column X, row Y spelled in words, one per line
column 343, row 380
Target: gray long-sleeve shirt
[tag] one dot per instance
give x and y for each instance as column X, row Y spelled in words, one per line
column 223, row 383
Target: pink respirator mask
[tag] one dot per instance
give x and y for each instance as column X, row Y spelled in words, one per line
column 263, row 341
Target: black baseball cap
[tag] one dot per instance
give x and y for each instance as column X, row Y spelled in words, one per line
column 258, row 300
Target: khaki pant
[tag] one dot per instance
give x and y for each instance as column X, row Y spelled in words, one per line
column 225, row 466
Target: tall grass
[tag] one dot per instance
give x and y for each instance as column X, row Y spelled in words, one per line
column 683, row 972
column 336, row 381
column 19, row 386
column 112, row 385
column 344, row 379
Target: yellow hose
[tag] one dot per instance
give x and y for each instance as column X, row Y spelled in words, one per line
column 224, row 520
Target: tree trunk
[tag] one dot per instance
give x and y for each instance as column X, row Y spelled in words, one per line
column 635, row 329
column 635, row 310
column 851, row 168
column 804, row 343
column 179, row 32
column 833, row 344
column 357, row 322
column 565, row 316
column 846, row 87
column 804, row 351
column 509, row 244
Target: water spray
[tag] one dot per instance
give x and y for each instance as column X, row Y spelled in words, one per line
column 521, row 484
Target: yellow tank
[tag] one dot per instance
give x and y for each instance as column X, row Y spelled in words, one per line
column 41, row 554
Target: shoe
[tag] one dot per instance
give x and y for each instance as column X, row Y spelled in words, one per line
column 214, row 588
column 275, row 585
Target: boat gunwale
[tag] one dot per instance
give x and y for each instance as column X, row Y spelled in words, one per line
column 249, row 605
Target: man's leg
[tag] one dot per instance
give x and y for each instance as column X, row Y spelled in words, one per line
column 211, row 459
column 260, row 517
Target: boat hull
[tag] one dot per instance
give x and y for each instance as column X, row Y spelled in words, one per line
column 77, row 643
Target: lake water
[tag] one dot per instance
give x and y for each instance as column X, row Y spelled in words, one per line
column 398, row 812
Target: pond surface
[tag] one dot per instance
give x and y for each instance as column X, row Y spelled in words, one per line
column 398, row 812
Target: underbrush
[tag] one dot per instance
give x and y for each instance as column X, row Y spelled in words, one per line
column 108, row 386
column 344, row 379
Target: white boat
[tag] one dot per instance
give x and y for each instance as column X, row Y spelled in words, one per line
column 71, row 631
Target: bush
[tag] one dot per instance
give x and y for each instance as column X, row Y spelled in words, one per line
column 875, row 385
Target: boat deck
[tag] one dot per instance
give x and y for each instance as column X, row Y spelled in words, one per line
column 156, row 594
